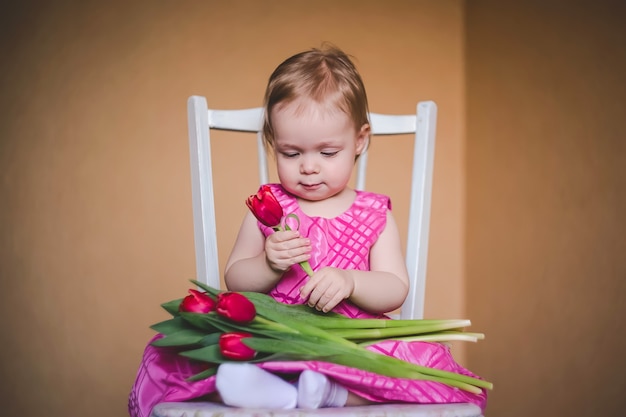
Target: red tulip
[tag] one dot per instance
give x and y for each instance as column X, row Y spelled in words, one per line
column 268, row 211
column 197, row 302
column 265, row 207
column 235, row 306
column 232, row 347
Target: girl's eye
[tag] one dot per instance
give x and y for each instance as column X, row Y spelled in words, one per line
column 290, row 154
column 329, row 154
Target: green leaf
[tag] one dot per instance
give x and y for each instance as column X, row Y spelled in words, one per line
column 203, row 375
column 211, row 339
column 199, row 320
column 212, row 354
column 215, row 322
column 172, row 306
column 206, row 354
column 292, row 347
column 171, row 325
column 212, row 291
column 224, row 324
column 183, row 337
column 304, row 328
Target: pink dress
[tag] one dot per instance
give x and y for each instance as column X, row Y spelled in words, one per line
column 341, row 242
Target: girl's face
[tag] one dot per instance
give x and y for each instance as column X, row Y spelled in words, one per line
column 315, row 148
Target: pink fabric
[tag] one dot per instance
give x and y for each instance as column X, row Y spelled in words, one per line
column 342, row 242
column 161, row 378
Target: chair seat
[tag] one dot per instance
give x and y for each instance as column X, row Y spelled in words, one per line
column 199, row 409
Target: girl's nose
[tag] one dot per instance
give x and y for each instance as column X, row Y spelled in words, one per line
column 309, row 166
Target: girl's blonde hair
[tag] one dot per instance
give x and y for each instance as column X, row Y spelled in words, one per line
column 325, row 75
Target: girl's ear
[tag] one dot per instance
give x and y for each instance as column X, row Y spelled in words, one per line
column 363, row 139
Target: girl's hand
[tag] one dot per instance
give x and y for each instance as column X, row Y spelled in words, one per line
column 286, row 248
column 327, row 288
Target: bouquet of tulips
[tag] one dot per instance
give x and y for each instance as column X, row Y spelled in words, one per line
column 214, row 327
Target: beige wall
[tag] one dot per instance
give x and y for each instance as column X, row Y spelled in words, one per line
column 546, row 199
column 96, row 206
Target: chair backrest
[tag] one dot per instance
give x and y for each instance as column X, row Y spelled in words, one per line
column 422, row 124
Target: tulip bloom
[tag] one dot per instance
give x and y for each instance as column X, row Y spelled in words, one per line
column 265, row 207
column 236, row 307
column 268, row 211
column 197, row 302
column 232, row 347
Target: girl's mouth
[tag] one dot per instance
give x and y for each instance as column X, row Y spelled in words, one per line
column 311, row 187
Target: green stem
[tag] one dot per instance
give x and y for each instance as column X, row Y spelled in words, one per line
column 273, row 325
column 352, row 333
column 349, row 323
column 306, row 266
column 433, row 337
column 441, row 375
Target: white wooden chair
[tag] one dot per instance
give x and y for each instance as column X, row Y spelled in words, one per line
column 423, row 125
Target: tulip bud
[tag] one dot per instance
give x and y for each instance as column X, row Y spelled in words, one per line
column 197, row 302
column 232, row 347
column 265, row 207
column 235, row 306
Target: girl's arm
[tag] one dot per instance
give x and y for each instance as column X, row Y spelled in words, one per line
column 246, row 268
column 380, row 290
column 257, row 263
column 385, row 287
